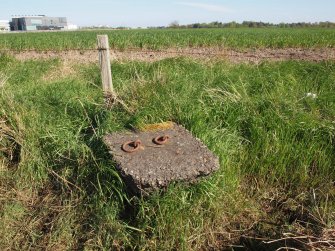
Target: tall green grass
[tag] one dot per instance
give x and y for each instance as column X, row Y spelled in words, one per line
column 65, row 192
column 160, row 39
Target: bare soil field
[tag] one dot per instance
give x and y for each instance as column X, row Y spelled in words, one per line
column 234, row 56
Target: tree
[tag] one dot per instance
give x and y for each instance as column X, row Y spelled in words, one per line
column 174, row 24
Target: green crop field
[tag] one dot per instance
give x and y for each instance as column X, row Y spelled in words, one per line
column 271, row 124
column 158, row 39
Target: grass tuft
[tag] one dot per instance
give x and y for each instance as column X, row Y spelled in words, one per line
column 275, row 143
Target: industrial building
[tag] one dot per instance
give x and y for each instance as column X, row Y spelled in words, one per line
column 4, row 26
column 36, row 23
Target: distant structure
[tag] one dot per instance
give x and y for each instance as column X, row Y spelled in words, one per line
column 72, row 27
column 37, row 23
column 4, row 26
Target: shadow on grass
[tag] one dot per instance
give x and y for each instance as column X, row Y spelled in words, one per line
column 94, row 178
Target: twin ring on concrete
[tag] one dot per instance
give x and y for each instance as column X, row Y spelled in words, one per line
column 161, row 140
column 133, row 146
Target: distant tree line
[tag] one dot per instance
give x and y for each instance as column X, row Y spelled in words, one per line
column 250, row 24
column 244, row 24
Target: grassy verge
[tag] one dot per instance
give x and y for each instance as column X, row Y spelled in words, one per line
column 275, row 142
column 159, row 39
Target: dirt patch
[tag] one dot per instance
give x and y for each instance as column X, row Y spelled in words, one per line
column 235, row 56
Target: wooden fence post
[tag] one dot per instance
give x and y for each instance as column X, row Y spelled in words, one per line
column 105, row 66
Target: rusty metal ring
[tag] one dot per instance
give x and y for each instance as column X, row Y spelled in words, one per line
column 161, row 140
column 135, row 146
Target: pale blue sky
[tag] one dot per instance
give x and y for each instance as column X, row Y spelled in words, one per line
column 161, row 12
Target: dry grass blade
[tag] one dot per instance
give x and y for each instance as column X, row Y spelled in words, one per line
column 3, row 79
column 9, row 147
column 308, row 242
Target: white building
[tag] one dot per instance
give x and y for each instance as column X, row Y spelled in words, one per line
column 72, row 27
column 4, row 26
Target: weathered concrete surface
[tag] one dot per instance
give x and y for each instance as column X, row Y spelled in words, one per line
column 182, row 158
